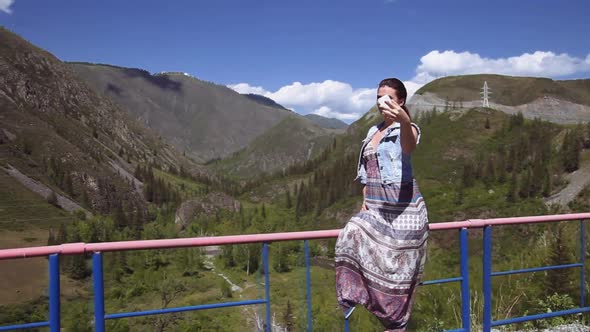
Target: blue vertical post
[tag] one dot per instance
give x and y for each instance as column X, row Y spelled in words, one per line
column 266, row 284
column 308, row 284
column 54, row 292
column 582, row 261
column 465, row 298
column 346, row 325
column 487, row 278
column 98, row 292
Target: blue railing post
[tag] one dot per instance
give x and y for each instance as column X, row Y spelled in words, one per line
column 465, row 298
column 54, row 292
column 266, row 284
column 487, row 278
column 98, row 292
column 582, row 260
column 308, row 284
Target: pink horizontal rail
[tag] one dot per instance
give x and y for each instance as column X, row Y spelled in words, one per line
column 81, row 247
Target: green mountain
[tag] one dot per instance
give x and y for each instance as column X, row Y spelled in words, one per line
column 209, row 121
column 324, row 122
column 206, row 120
column 63, row 143
column 292, row 141
column 265, row 101
column 559, row 101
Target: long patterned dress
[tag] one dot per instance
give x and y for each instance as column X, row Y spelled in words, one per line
column 381, row 252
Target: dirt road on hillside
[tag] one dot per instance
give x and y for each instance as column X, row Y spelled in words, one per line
column 578, row 180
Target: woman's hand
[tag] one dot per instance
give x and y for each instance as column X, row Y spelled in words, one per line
column 395, row 112
column 408, row 133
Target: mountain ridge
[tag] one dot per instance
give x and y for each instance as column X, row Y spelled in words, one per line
column 206, row 120
column 559, row 101
column 69, row 138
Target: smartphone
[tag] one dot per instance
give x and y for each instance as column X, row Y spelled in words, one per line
column 381, row 101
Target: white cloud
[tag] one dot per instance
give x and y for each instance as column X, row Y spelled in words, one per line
column 246, row 88
column 340, row 100
column 5, row 6
column 331, row 98
column 539, row 63
column 325, row 111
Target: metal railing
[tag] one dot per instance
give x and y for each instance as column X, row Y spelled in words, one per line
column 97, row 249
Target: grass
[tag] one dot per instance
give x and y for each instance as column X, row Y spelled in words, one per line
column 187, row 188
column 25, row 280
column 21, row 209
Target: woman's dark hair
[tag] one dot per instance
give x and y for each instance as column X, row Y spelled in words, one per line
column 400, row 90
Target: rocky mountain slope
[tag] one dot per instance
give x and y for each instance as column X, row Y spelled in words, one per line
column 57, row 131
column 209, row 121
column 205, row 120
column 292, row 141
column 564, row 102
column 324, row 122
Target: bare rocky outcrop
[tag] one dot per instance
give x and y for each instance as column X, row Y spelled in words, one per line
column 208, row 204
column 577, row 181
column 548, row 108
column 44, row 191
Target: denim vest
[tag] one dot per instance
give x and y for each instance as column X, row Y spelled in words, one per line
column 394, row 164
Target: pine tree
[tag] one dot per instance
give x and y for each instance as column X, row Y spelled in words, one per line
column 62, row 234
column 570, row 152
column 120, row 218
column 525, row 184
column 468, row 175
column 281, row 259
column 547, row 183
column 288, row 202
column 459, row 196
column 512, row 189
column 538, row 174
column 51, row 238
column 490, row 171
column 86, row 199
column 69, row 186
column 561, row 280
column 78, row 269
column 227, row 256
column 501, row 167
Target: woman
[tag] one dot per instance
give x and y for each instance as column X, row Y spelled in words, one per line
column 380, row 254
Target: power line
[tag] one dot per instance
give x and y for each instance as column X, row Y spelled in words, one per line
column 485, row 94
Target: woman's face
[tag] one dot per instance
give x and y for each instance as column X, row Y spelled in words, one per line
column 385, row 90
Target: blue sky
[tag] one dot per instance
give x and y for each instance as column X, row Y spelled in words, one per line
column 314, row 56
